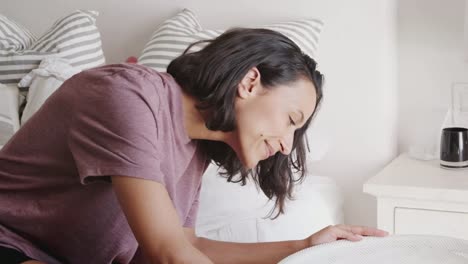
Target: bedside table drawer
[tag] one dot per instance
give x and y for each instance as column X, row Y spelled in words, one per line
column 431, row 222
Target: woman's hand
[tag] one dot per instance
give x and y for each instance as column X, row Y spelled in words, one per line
column 337, row 232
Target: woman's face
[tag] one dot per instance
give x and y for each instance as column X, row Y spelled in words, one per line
column 266, row 119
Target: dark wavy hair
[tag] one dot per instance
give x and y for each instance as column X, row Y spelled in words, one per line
column 212, row 75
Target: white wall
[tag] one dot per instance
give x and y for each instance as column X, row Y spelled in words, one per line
column 357, row 54
column 431, row 58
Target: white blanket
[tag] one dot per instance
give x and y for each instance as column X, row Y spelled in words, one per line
column 230, row 212
column 397, row 249
column 9, row 118
column 43, row 81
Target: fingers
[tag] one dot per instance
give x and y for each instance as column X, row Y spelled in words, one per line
column 345, row 234
column 348, row 232
column 364, row 230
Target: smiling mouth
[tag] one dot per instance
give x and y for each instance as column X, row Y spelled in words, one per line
column 269, row 150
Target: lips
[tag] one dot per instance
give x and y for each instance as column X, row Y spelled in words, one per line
column 269, row 150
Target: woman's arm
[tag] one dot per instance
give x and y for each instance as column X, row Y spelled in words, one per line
column 245, row 253
column 154, row 221
column 272, row 252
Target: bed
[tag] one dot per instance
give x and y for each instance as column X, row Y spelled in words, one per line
column 401, row 249
column 230, row 212
column 9, row 117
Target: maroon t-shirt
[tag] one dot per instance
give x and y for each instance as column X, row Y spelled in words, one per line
column 57, row 203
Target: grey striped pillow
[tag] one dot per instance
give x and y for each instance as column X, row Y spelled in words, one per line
column 74, row 37
column 13, row 36
column 177, row 33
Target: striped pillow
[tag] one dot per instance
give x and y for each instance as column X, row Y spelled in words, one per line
column 74, row 37
column 13, row 36
column 177, row 33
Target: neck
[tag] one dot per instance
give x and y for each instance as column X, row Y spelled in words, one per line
column 194, row 122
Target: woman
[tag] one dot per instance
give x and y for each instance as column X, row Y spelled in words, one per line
column 109, row 169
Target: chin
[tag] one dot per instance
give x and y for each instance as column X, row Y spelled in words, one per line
column 248, row 158
column 252, row 165
column 249, row 163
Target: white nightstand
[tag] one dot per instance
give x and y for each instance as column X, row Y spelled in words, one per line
column 420, row 197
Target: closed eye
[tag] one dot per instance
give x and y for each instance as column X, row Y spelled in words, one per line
column 291, row 121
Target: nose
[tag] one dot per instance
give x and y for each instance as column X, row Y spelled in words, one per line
column 286, row 143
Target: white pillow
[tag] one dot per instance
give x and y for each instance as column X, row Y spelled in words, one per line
column 240, row 231
column 318, row 203
column 9, row 105
column 43, row 81
column 174, row 35
column 230, row 212
column 222, row 202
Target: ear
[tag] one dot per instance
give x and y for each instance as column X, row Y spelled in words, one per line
column 250, row 84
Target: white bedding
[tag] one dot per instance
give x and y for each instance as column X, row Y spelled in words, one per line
column 43, row 81
column 9, row 117
column 230, row 212
column 397, row 249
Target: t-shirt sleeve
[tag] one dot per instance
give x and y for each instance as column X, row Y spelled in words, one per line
column 113, row 129
column 191, row 219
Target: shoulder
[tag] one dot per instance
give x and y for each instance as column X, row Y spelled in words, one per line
column 123, row 74
column 127, row 87
column 122, row 82
column 113, row 89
